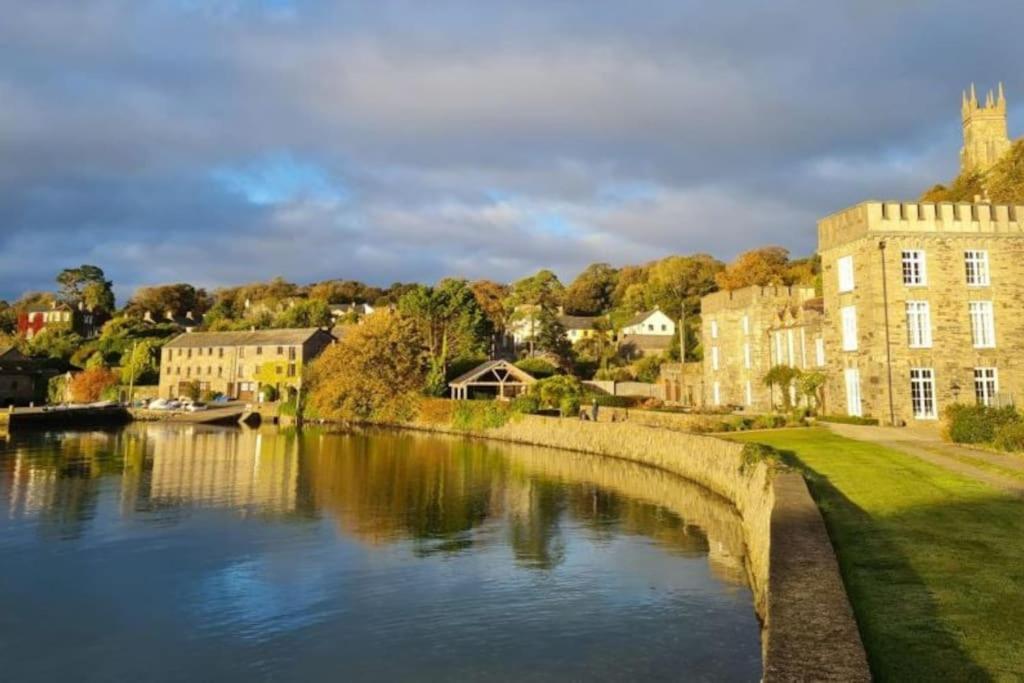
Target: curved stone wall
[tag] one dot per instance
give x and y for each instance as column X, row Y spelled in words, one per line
column 809, row 628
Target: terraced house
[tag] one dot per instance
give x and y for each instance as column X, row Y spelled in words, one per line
column 238, row 364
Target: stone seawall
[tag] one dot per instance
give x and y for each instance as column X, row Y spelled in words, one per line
column 809, row 629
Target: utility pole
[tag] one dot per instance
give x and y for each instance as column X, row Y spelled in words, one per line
column 131, row 374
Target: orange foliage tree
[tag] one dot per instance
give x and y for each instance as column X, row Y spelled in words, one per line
column 89, row 385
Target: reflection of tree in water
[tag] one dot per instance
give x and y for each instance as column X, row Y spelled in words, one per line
column 534, row 524
column 386, row 487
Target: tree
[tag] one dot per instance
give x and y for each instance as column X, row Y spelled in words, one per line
column 783, row 377
column 592, row 290
column 634, row 277
column 140, row 364
column 177, row 299
column 490, row 297
column 540, row 289
column 676, row 285
column 600, row 347
column 8, row 319
column 88, row 285
column 91, row 385
column 311, row 313
column 551, row 338
column 451, row 322
column 761, row 267
column 58, row 343
column 648, row 368
column 1005, row 180
column 561, row 392
column 812, row 387
column 374, row 372
column 965, row 187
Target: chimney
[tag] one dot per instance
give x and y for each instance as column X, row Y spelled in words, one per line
column 147, row 316
column 189, row 316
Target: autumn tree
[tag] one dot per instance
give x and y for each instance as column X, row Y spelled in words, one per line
column 139, row 364
column 490, row 297
column 630, row 279
column 374, row 372
column 964, row 188
column 551, row 338
column 177, row 299
column 90, row 385
column 310, row 313
column 592, row 290
column 8, row 319
column 87, row 285
column 762, row 266
column 1005, row 181
column 343, row 292
column 540, row 289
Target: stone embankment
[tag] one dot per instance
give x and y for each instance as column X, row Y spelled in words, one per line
column 809, row 628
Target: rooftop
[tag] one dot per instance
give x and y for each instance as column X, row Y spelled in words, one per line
column 285, row 337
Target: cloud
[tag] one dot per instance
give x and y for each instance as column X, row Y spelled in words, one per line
column 229, row 141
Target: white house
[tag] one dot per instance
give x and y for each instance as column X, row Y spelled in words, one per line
column 650, row 324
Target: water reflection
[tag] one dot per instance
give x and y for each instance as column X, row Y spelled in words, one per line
column 440, row 493
column 318, row 548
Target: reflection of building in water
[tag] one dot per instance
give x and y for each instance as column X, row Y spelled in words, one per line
column 219, row 468
column 31, row 489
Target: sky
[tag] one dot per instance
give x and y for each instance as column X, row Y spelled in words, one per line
column 221, row 142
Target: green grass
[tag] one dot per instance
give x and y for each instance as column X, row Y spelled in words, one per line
column 933, row 562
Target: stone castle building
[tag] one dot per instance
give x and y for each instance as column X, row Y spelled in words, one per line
column 238, row 364
column 745, row 332
column 923, row 307
column 985, row 134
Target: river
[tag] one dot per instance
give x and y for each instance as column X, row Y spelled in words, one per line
column 188, row 553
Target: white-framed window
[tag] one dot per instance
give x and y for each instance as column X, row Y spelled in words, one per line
column 915, row 272
column 983, row 328
column 746, row 324
column 919, row 325
column 819, row 351
column 749, row 393
column 803, row 347
column 922, row 393
column 790, row 355
column 852, row 378
column 848, row 315
column 780, row 358
column 746, row 355
column 986, row 385
column 716, row 395
column 976, row 267
column 844, row 266
column 714, row 357
column 714, row 329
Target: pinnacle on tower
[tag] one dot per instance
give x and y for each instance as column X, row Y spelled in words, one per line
column 1001, row 102
column 990, row 100
column 974, row 98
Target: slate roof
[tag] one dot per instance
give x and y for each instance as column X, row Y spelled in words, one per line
column 287, row 337
column 484, row 368
column 577, row 322
column 640, row 317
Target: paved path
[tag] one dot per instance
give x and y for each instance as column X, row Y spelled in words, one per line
column 927, row 444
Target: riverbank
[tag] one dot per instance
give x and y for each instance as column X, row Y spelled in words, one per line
column 809, row 628
column 931, row 558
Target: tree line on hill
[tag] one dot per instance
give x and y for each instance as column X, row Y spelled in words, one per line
column 459, row 322
column 1001, row 184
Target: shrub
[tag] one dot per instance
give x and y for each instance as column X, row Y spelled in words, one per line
column 476, row 416
column 569, row 405
column 538, row 367
column 525, row 405
column 976, row 423
column 1010, row 437
column 560, row 391
column 768, row 422
column 606, row 401
column 57, row 390
column 614, row 375
column 190, row 391
column 270, row 392
column 648, row 368
column 435, row 411
column 207, row 396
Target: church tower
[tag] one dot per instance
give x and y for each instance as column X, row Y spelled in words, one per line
column 985, row 136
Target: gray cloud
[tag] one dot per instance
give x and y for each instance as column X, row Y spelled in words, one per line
column 482, row 139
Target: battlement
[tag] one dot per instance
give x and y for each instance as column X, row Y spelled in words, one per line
column 746, row 297
column 995, row 105
column 904, row 217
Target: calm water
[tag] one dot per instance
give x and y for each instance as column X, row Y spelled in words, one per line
column 194, row 554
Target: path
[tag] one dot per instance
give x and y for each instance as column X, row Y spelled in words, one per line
column 1004, row 471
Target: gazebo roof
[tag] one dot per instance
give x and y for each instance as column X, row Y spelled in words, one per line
column 494, row 372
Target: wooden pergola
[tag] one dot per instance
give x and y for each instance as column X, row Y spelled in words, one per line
column 509, row 380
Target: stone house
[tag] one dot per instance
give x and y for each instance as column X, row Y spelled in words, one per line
column 682, row 384
column 745, row 332
column 922, row 307
column 238, row 364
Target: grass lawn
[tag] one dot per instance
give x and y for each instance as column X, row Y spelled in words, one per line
column 933, row 562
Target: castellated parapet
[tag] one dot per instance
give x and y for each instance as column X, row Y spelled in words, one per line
column 905, row 217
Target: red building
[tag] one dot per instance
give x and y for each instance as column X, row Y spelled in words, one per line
column 36, row 318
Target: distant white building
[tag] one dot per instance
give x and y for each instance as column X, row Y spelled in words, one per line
column 339, row 311
column 650, row 324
